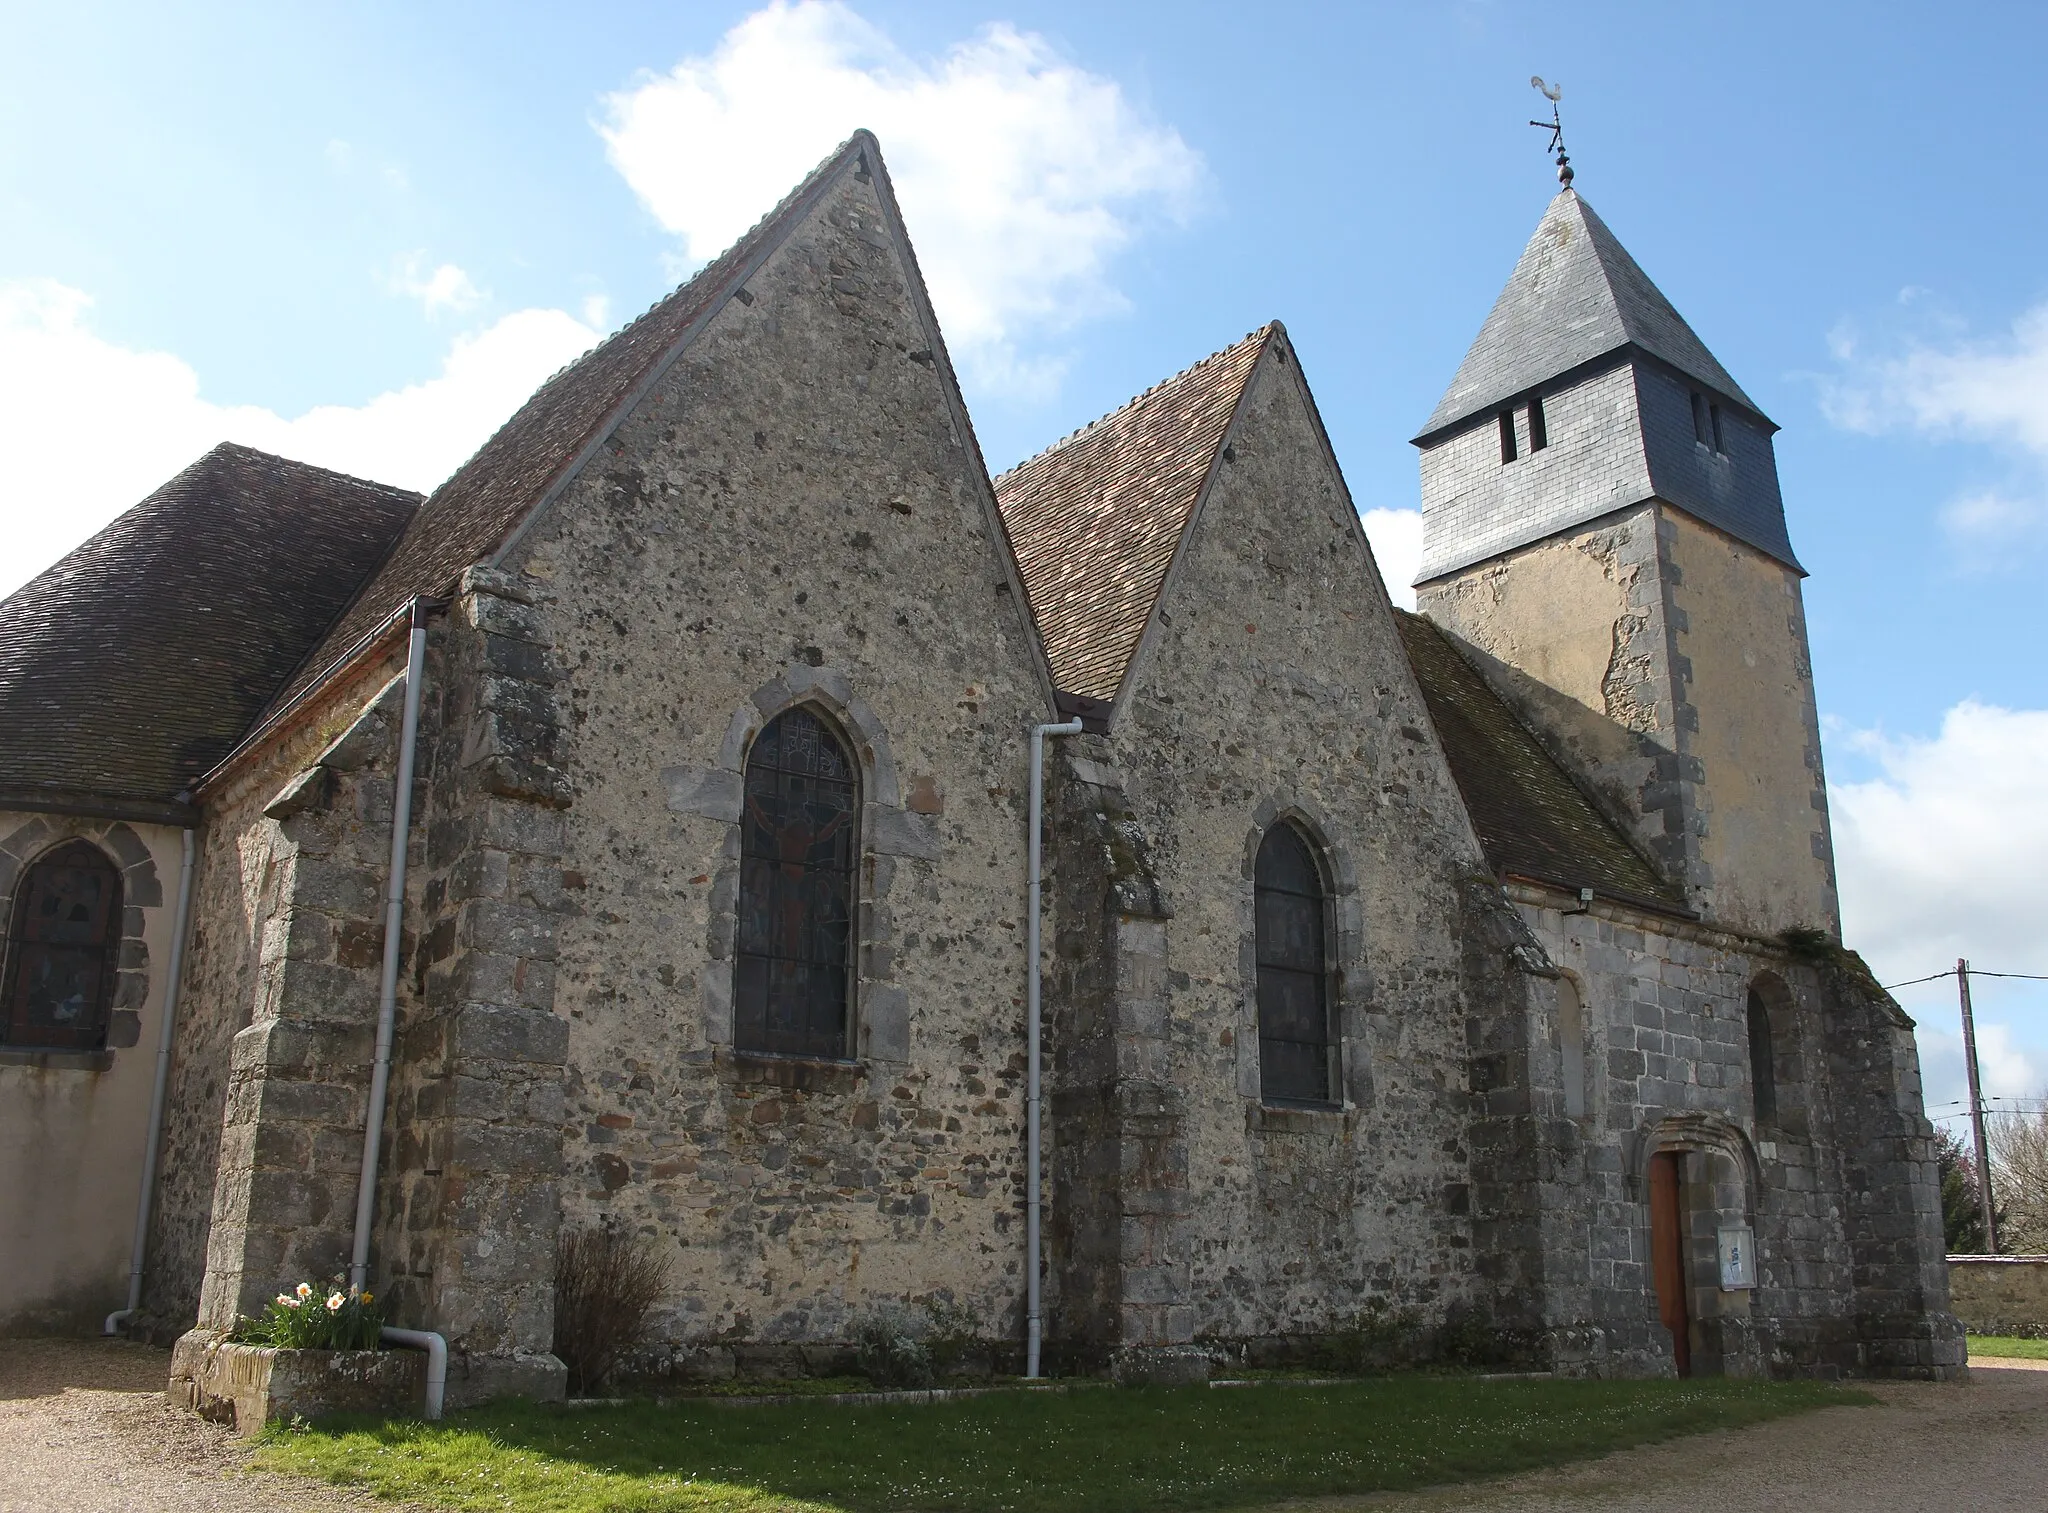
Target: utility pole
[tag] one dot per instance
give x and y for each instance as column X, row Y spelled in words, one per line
column 1984, row 1205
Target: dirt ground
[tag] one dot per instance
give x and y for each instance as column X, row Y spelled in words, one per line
column 84, row 1429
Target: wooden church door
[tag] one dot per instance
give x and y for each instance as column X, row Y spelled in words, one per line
column 1667, row 1254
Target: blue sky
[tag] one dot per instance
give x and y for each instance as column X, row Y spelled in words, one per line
column 360, row 234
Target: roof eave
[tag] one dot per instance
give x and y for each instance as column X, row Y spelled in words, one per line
column 1478, row 411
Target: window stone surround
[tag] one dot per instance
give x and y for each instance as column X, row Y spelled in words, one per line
column 1351, row 984
column 891, row 828
column 141, row 891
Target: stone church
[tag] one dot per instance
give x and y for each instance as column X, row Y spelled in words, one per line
column 639, row 831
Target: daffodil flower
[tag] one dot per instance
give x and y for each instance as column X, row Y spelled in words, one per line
column 305, row 1289
column 334, row 1302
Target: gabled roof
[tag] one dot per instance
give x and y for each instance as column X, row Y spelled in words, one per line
column 1533, row 821
column 135, row 663
column 1576, row 295
column 472, row 515
column 1095, row 519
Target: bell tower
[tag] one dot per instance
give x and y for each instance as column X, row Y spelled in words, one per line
column 1602, row 524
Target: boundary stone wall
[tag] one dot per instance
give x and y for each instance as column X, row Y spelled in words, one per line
column 2000, row 1294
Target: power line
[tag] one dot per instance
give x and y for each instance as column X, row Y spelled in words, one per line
column 1974, row 972
column 1937, row 977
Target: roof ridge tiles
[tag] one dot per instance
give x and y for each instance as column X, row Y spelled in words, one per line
column 486, row 501
column 1256, row 333
column 1096, row 519
column 244, row 449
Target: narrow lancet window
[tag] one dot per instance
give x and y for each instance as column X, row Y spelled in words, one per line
column 1293, row 971
column 1700, row 432
column 1571, row 1042
column 799, row 845
column 1714, row 421
column 1507, row 436
column 62, row 951
column 1539, row 432
column 1763, row 1072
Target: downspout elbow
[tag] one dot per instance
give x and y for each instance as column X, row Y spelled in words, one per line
column 436, row 1347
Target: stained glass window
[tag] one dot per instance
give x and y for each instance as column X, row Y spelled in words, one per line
column 61, row 951
column 1293, row 971
column 800, row 840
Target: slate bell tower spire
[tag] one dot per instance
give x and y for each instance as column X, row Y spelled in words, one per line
column 1602, row 522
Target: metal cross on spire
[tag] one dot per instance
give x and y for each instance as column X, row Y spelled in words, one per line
column 1555, row 126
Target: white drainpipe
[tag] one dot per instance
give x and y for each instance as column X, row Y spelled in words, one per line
column 147, row 1197
column 1034, row 1317
column 394, row 931
column 437, row 1361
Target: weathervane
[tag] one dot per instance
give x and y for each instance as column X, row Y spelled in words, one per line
column 1555, row 126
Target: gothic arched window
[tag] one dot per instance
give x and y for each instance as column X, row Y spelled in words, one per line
column 1293, row 971
column 800, row 841
column 1763, row 1071
column 62, row 948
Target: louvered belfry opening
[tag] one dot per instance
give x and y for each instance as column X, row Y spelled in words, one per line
column 61, row 950
column 800, row 842
column 1293, row 970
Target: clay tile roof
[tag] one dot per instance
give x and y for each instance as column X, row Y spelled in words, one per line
column 1575, row 295
column 470, row 516
column 1096, row 518
column 137, row 661
column 1532, row 819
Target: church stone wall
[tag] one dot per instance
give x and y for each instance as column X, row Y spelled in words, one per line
column 72, row 1123
column 249, row 865
column 1274, row 688
column 1834, row 1184
column 1574, row 633
column 1741, row 633
column 794, row 515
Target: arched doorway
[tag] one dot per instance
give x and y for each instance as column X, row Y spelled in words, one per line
column 1699, row 1183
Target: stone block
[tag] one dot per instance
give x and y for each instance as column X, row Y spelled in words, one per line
column 509, row 929
column 1160, row 1366
column 899, row 832
column 885, row 1023
column 474, row 1379
column 713, row 792
column 494, row 1032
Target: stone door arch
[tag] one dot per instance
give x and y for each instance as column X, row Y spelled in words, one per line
column 1718, row 1181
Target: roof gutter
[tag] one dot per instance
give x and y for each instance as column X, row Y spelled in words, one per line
column 90, row 806
column 368, row 643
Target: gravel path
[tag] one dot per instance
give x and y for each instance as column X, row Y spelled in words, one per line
column 84, row 1429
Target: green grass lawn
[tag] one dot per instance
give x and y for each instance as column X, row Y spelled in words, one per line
column 1095, row 1450
column 2008, row 1346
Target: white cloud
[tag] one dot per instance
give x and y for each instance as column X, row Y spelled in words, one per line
column 446, row 288
column 1396, row 537
column 1939, row 857
column 62, row 385
column 1953, row 387
column 1022, row 176
column 1940, row 854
